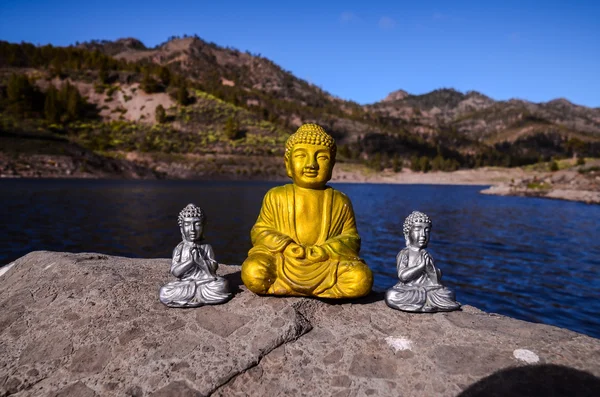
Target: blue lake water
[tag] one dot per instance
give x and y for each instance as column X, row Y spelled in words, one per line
column 528, row 258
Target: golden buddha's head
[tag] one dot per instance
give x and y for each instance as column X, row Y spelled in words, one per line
column 310, row 156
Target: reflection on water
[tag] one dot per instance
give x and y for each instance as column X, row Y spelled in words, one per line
column 533, row 259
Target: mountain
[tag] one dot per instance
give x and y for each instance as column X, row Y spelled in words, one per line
column 224, row 101
column 397, row 95
column 113, row 47
column 207, row 62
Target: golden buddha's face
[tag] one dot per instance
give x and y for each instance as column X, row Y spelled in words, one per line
column 310, row 166
column 418, row 237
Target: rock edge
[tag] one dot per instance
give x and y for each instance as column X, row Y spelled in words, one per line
column 91, row 325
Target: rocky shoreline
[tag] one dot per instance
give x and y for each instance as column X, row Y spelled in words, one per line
column 91, row 325
column 563, row 185
column 20, row 157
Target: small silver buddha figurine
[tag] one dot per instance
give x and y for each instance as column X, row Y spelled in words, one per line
column 195, row 266
column 419, row 288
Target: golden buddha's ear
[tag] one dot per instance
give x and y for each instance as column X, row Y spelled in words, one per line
column 288, row 167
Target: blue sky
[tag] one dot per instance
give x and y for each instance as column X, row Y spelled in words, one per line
column 360, row 50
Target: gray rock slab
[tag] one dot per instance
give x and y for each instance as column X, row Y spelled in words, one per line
column 91, row 324
column 368, row 349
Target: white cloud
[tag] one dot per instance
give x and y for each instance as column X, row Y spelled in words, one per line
column 348, row 17
column 387, row 23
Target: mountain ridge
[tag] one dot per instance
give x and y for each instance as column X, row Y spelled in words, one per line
column 264, row 103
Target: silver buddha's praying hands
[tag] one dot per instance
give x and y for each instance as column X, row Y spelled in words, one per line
column 195, row 266
column 419, row 288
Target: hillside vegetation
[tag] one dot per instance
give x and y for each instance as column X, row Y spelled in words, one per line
column 190, row 108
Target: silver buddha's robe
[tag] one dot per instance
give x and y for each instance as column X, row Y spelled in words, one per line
column 198, row 283
column 423, row 292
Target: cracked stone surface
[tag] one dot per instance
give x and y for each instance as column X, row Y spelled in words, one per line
column 92, row 325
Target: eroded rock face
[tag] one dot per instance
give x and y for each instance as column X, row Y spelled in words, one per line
column 92, row 325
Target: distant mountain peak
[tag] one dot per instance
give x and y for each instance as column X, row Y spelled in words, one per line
column 397, row 95
column 472, row 93
column 131, row 42
column 447, row 89
column 560, row 101
column 114, row 47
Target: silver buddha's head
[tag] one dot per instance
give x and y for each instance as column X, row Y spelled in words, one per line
column 416, row 228
column 191, row 222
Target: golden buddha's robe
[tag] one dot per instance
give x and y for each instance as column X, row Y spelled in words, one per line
column 276, row 266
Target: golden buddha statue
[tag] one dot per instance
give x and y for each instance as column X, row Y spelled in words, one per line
column 305, row 241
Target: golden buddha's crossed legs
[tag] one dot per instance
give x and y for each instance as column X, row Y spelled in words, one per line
column 259, row 273
column 354, row 279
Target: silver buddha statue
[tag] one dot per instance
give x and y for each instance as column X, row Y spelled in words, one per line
column 419, row 288
column 195, row 266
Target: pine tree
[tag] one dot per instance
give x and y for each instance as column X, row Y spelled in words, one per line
column 52, row 106
column 376, row 162
column 424, row 164
column 438, row 162
column 160, row 114
column 182, row 95
column 396, row 163
column 414, row 163
column 23, row 97
column 232, row 128
column 103, row 76
column 165, row 76
column 74, row 103
column 148, row 84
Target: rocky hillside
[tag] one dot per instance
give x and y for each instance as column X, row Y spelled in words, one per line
column 188, row 97
column 473, row 115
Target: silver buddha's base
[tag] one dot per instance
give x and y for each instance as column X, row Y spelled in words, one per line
column 419, row 288
column 195, row 266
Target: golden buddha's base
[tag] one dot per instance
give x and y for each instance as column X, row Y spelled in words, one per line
column 353, row 280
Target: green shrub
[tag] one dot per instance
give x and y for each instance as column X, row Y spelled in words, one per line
column 111, row 90
column 160, row 114
column 424, row 164
column 149, row 85
column 232, row 128
column 396, row 163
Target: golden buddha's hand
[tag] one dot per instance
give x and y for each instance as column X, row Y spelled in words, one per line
column 295, row 251
column 316, row 254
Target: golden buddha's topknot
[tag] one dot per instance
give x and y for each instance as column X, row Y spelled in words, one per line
column 311, row 134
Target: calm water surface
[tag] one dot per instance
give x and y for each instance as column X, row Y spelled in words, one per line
column 533, row 259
